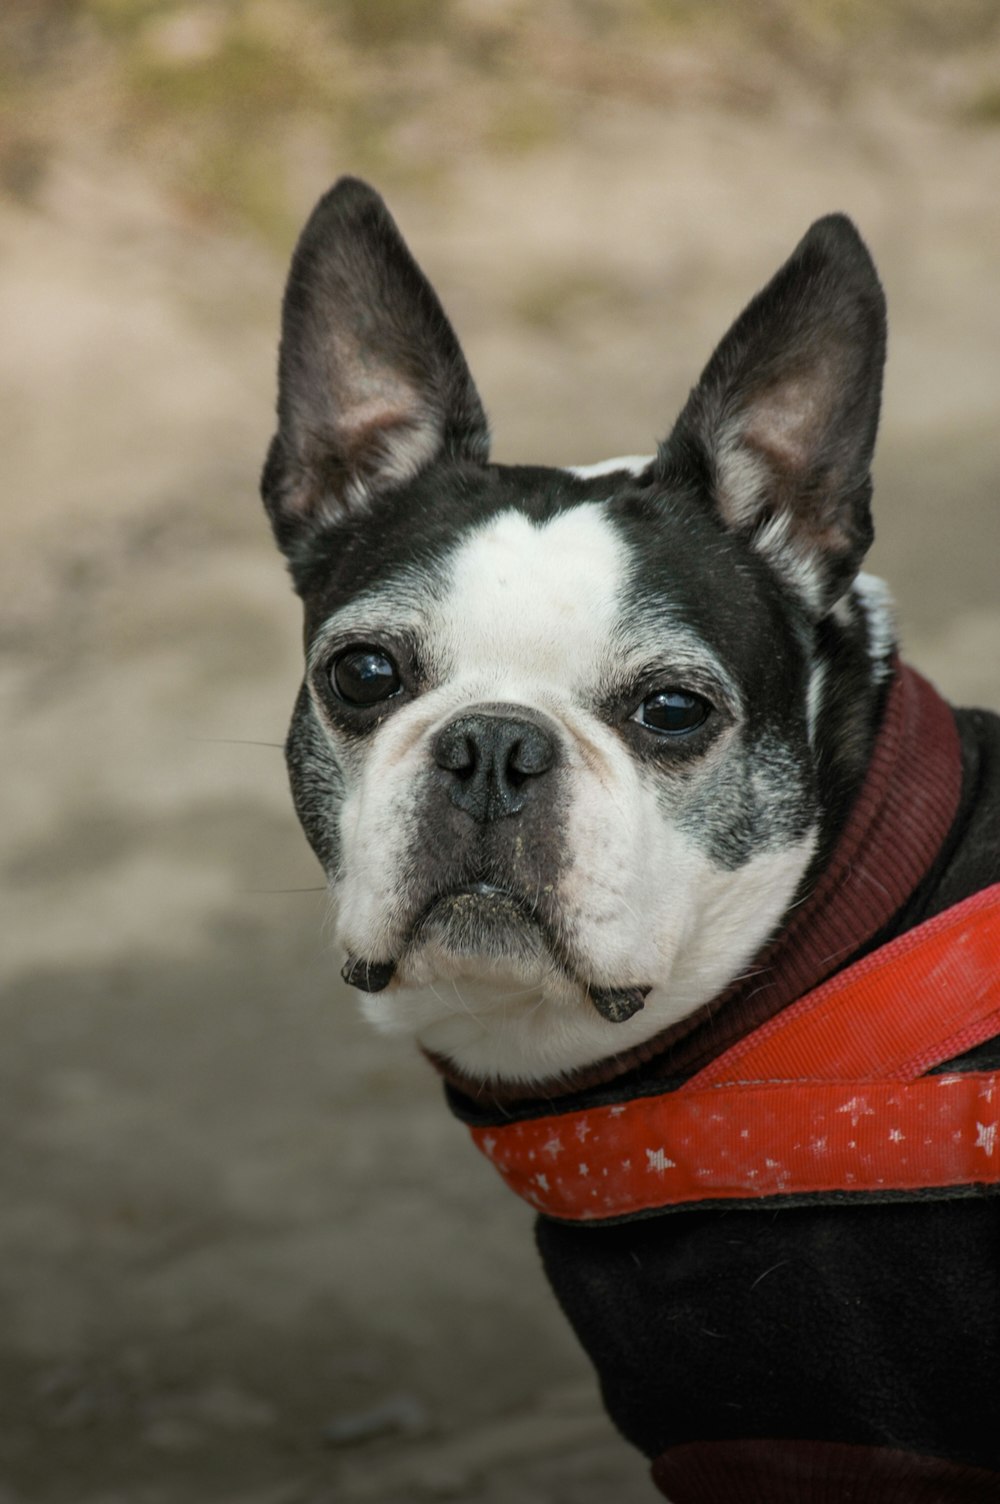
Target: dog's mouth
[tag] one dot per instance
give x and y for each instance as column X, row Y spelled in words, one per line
column 482, row 919
column 486, row 922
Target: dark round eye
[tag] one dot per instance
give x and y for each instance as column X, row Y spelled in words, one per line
column 364, row 676
column 672, row 712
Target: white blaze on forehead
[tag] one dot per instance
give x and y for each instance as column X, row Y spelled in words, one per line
column 534, row 601
column 634, row 463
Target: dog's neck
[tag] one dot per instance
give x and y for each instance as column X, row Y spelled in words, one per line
column 898, row 820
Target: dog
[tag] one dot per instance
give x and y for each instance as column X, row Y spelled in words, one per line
column 629, row 811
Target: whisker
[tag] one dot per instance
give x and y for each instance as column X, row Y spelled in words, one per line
column 320, row 889
column 234, row 741
column 519, row 992
column 437, row 994
column 540, row 1004
column 628, row 907
column 464, row 1006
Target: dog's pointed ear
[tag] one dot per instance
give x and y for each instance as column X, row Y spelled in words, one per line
column 782, row 423
column 372, row 383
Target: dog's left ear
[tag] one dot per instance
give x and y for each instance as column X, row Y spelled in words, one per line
column 372, row 383
column 782, row 423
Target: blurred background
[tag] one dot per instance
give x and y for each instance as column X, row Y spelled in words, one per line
column 244, row 1253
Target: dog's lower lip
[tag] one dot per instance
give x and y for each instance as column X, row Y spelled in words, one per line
column 485, row 920
column 482, row 890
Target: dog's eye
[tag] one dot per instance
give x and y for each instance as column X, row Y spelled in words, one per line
column 672, row 712
column 364, row 676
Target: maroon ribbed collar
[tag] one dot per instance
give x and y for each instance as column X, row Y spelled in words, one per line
column 898, row 822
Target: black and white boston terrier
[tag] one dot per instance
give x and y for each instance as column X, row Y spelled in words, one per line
column 614, row 774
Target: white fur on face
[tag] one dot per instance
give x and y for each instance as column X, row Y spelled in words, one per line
column 528, row 619
column 634, row 463
column 531, row 615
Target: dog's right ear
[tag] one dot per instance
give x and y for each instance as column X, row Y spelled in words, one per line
column 372, row 383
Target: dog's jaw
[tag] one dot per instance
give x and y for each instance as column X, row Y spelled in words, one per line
column 497, row 1020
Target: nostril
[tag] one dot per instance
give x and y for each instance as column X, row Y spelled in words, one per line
column 466, row 770
column 455, row 751
column 531, row 754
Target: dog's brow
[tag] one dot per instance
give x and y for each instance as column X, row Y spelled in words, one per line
column 672, row 652
column 368, row 617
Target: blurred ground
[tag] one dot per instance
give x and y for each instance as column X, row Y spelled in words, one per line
column 234, row 1225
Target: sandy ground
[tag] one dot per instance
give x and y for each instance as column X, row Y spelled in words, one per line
column 236, row 1227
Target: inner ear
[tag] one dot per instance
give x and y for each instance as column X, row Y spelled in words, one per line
column 784, row 418
column 380, row 430
column 372, row 383
column 785, row 426
column 766, row 452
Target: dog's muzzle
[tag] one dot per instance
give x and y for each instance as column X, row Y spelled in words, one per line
column 491, row 765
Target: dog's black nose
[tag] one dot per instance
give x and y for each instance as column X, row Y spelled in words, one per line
column 490, row 759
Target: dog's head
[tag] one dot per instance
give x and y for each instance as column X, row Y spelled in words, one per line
column 569, row 741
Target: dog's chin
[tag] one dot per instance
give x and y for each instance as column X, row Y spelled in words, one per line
column 472, row 955
column 482, row 983
column 479, row 932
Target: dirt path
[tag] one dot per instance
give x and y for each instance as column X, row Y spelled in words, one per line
column 232, row 1220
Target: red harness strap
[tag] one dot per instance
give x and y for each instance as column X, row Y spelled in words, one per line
column 827, row 1096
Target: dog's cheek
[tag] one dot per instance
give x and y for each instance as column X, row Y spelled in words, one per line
column 745, row 829
column 756, row 799
column 379, row 820
column 739, row 910
column 675, row 883
column 317, row 783
column 622, row 894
